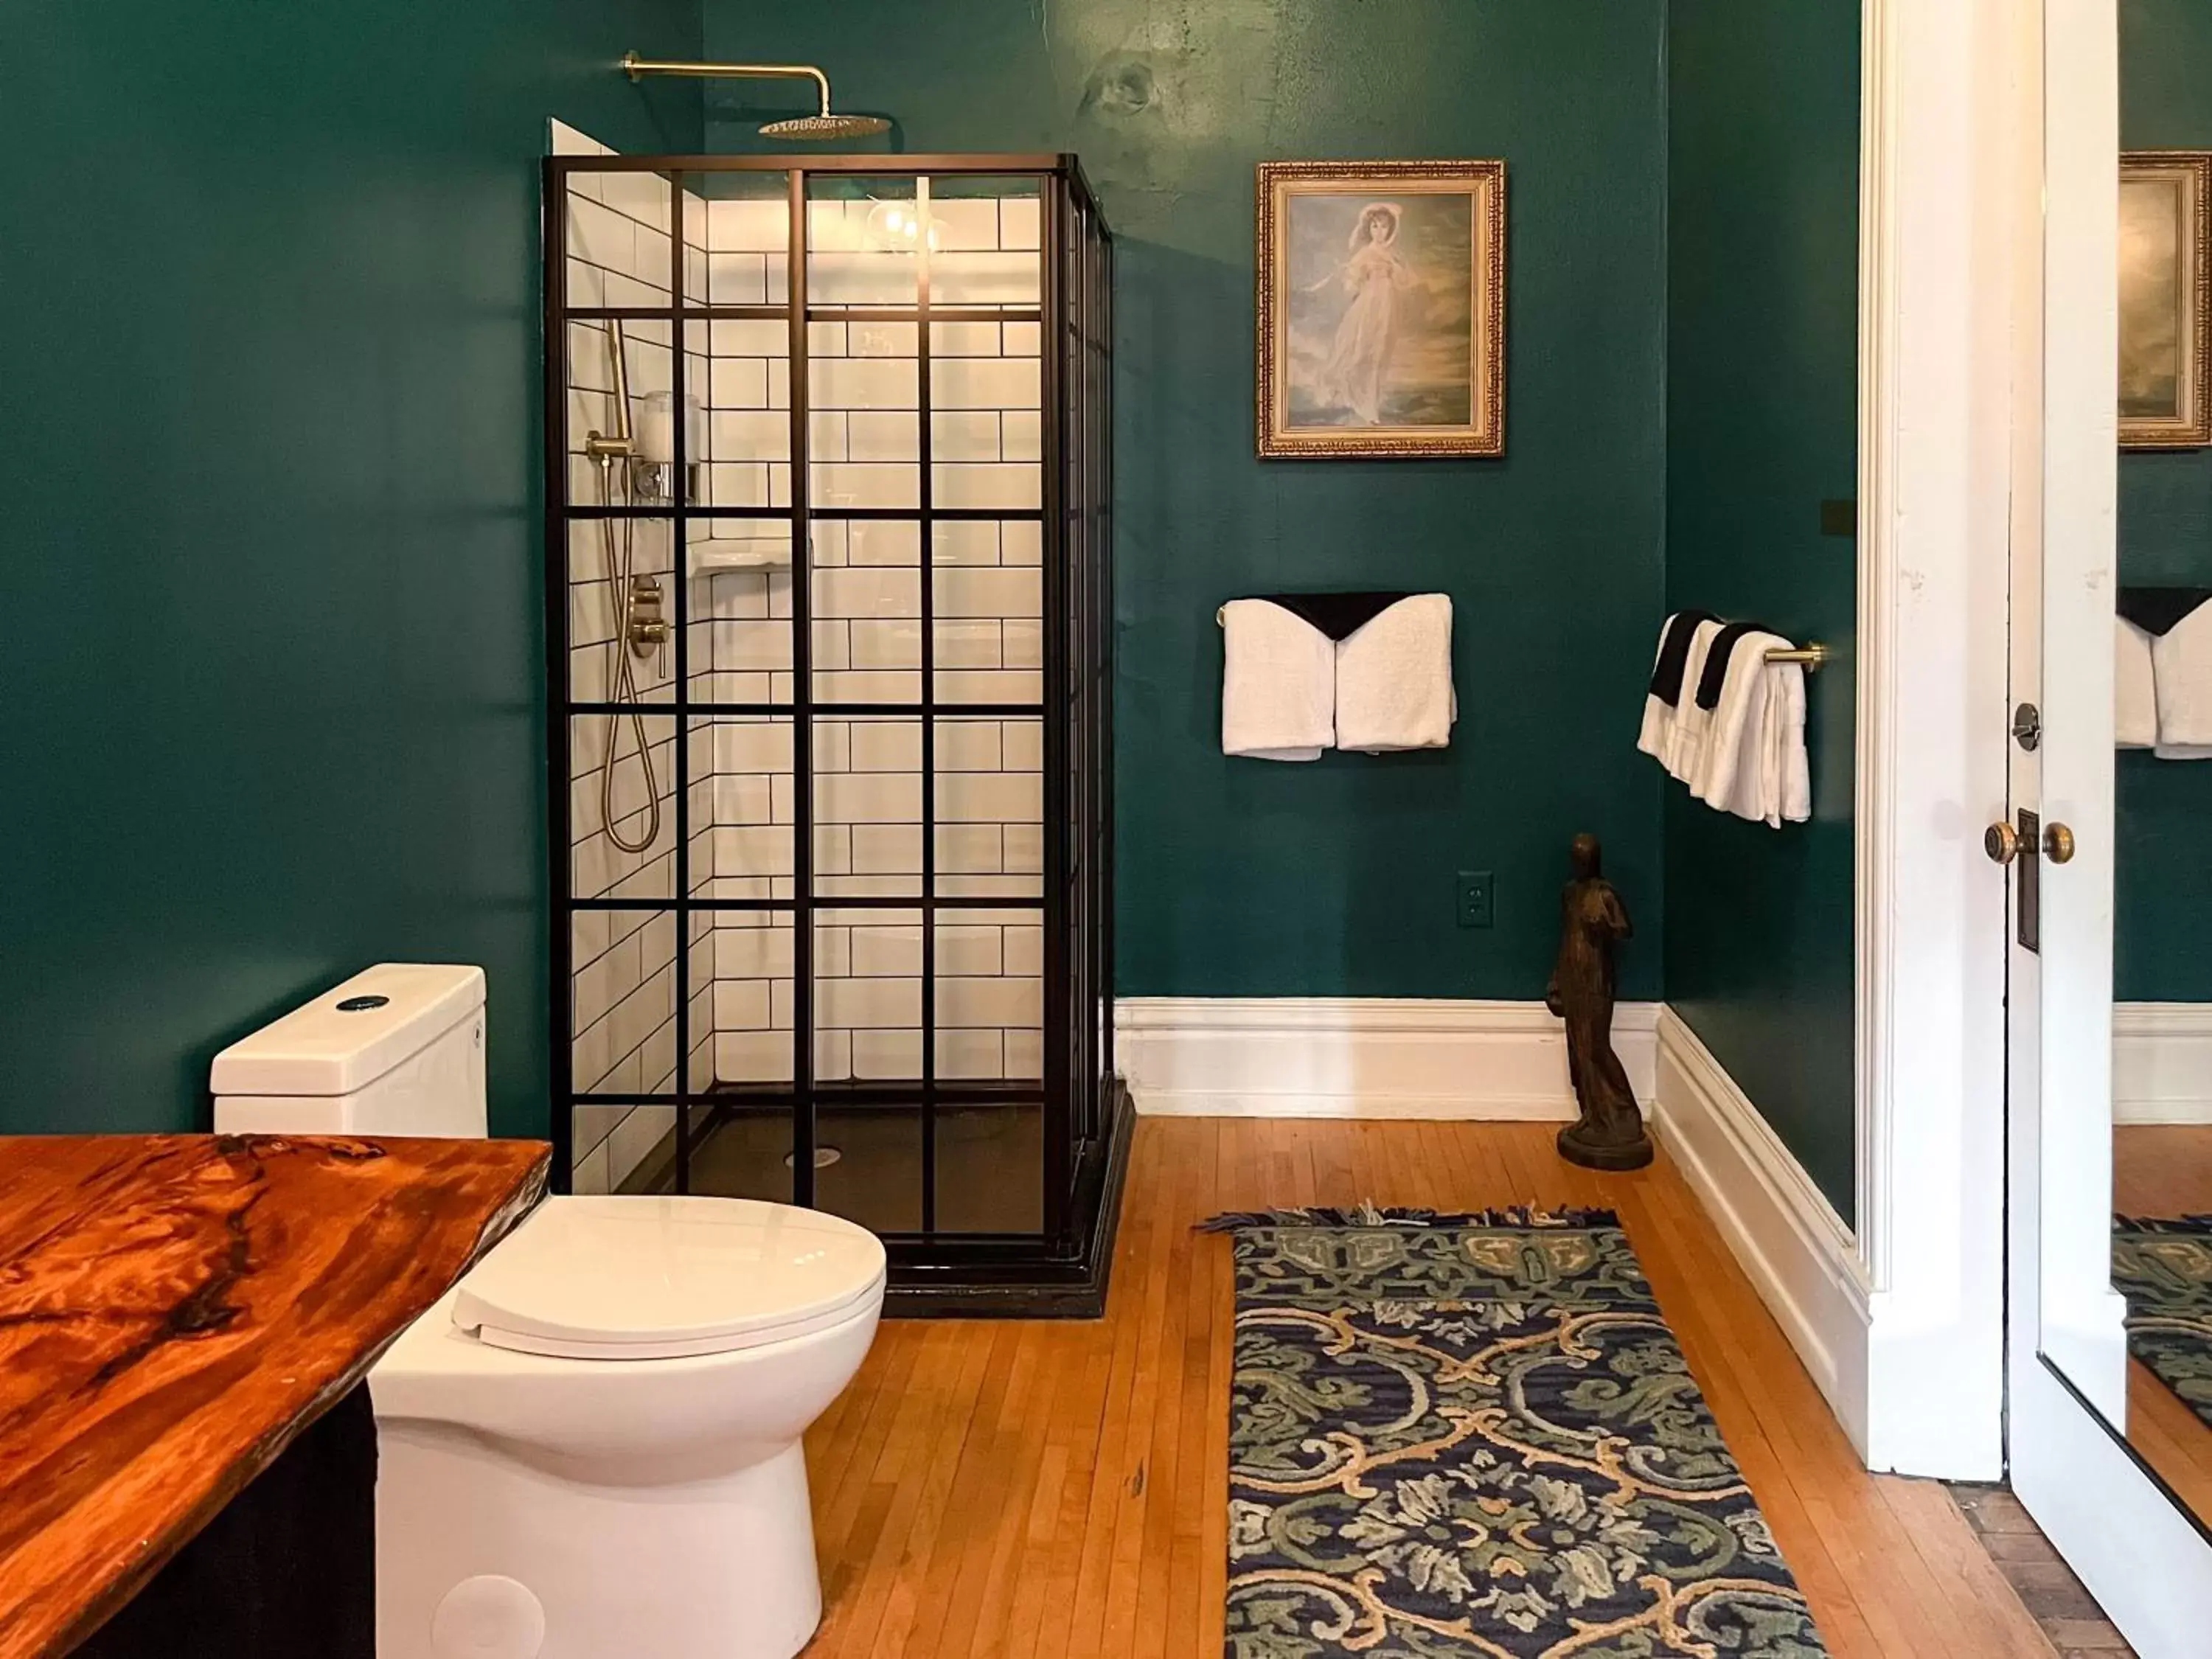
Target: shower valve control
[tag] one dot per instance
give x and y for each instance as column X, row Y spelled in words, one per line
column 646, row 628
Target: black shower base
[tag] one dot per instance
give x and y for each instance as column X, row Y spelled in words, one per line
column 988, row 1256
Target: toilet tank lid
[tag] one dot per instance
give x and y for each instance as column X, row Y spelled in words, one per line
column 352, row 1034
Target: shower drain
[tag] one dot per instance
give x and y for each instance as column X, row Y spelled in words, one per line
column 824, row 1158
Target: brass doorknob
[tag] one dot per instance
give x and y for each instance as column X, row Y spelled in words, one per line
column 2058, row 843
column 2001, row 842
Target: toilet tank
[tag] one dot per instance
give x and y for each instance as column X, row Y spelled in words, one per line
column 399, row 1050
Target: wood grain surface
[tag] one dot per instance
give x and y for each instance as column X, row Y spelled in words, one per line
column 174, row 1309
column 1059, row 1490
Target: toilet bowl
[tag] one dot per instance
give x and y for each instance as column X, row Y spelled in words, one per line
column 592, row 1444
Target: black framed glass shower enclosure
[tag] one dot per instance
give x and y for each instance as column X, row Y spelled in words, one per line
column 829, row 608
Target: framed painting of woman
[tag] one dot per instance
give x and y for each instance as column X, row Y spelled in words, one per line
column 2166, row 299
column 1381, row 294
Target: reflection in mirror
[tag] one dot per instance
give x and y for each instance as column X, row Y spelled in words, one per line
column 2162, row 806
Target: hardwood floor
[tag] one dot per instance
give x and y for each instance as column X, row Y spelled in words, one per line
column 2165, row 1169
column 1056, row 1491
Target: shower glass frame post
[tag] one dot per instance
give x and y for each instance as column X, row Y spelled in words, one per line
column 1060, row 1267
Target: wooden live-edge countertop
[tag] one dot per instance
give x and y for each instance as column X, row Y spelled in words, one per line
column 175, row 1309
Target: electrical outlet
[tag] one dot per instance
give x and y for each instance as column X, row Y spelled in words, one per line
column 1474, row 899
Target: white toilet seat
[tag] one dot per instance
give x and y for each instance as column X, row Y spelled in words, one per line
column 643, row 1277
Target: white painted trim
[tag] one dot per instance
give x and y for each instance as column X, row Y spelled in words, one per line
column 1798, row 1254
column 2162, row 1062
column 1366, row 1057
column 1935, row 434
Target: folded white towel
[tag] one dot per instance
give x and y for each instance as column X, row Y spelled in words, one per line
column 1682, row 751
column 2135, row 700
column 1393, row 684
column 1735, row 773
column 2181, row 672
column 1658, row 713
column 1278, row 683
column 1787, row 776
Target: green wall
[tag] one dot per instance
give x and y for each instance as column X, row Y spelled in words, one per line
column 271, row 586
column 1241, row 878
column 2163, row 809
column 1762, row 382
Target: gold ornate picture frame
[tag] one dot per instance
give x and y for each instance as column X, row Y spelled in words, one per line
column 2166, row 299
column 1380, row 291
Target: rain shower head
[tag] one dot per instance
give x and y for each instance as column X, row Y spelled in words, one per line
column 819, row 126
column 826, row 126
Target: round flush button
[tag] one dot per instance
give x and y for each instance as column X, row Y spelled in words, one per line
column 488, row 1617
column 361, row 1004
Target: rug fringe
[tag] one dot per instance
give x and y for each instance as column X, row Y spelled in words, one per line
column 1367, row 1214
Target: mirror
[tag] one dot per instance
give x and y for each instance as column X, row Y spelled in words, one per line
column 2162, row 800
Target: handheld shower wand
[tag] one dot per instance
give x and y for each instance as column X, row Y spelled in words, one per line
column 639, row 627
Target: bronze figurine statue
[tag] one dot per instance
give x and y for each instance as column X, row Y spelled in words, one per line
column 1610, row 1133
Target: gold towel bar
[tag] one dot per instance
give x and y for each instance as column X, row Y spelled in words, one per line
column 1811, row 655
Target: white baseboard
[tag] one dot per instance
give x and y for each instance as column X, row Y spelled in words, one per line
column 2162, row 1062
column 1360, row 1057
column 1788, row 1237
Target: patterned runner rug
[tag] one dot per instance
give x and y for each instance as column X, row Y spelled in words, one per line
column 1455, row 1436
column 2164, row 1268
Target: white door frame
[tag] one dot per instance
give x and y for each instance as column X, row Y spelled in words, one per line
column 1934, row 420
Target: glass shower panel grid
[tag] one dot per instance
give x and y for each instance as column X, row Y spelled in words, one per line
column 890, row 1003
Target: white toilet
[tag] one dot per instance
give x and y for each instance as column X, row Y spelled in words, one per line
column 589, row 1446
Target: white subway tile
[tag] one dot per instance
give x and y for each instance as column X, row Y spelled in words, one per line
column 1022, row 643
column 969, row 644
column 984, row 383
column 759, row 225
column 887, row 951
column 990, row 797
column 741, row 1005
column 867, row 383
column 967, row 340
column 872, row 591
column 883, row 642
column 886, row 849
column 855, row 1003
column 752, row 1056
column 880, row 745
column 868, row 685
column 1023, row 745
column 967, row 746
column 590, row 1173
column 1024, row 847
column 965, row 434
column 969, row 848
column 885, row 544
column 737, row 383
column 1022, row 436
column 966, row 950
column 965, row 541
column 887, row 1056
column 970, row 1055
column 743, row 950
column 989, row 1001
column 965, row 224
column 1020, row 221
column 983, row 279
column 845, row 484
column 868, row 798
column 1025, row 1053
column 1004, row 686
column 975, row 591
column 884, row 436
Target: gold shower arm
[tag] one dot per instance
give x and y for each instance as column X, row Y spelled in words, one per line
column 639, row 68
